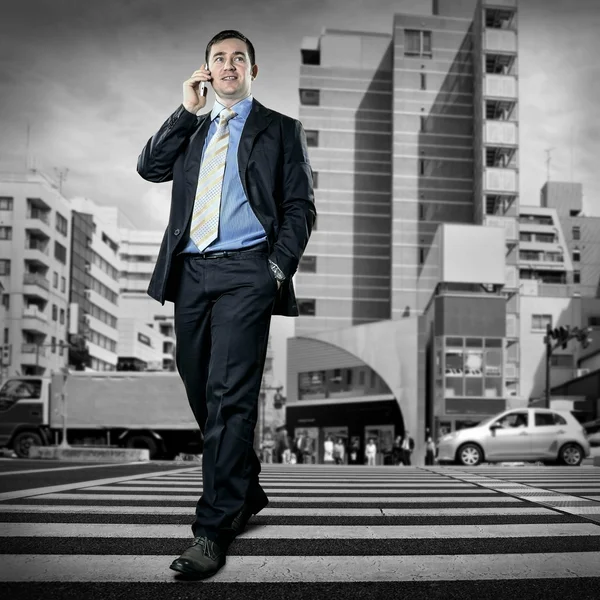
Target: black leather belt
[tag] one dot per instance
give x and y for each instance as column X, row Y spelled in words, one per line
column 227, row 253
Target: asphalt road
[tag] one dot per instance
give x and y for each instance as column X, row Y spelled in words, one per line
column 73, row 531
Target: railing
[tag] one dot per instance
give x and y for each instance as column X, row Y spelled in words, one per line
column 33, row 349
column 40, row 215
column 508, row 223
column 500, row 86
column 34, row 313
column 503, row 3
column 36, row 245
column 501, row 132
column 500, row 180
column 502, row 40
column 34, row 279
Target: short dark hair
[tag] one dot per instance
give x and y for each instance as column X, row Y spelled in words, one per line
column 227, row 34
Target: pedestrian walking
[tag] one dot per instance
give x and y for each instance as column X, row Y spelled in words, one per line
column 328, row 450
column 242, row 211
column 371, row 452
column 408, row 445
column 397, row 451
column 339, row 452
column 429, row 450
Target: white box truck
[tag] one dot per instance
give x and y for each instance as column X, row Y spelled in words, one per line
column 125, row 409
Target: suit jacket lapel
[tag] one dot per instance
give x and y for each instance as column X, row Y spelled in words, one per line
column 258, row 120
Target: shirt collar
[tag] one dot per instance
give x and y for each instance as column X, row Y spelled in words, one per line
column 241, row 108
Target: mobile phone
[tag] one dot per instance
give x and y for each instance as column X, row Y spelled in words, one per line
column 203, row 87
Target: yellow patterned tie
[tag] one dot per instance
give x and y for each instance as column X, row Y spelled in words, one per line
column 205, row 219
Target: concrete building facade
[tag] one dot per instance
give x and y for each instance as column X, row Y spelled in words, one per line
column 35, row 244
column 452, row 158
column 96, row 265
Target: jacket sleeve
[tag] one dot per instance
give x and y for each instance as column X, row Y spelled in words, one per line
column 298, row 210
column 156, row 161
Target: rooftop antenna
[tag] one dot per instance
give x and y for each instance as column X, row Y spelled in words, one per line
column 62, row 176
column 548, row 160
column 27, row 159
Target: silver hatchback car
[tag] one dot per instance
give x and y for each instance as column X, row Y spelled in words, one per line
column 526, row 434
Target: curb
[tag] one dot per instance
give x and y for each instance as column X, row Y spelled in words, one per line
column 87, row 454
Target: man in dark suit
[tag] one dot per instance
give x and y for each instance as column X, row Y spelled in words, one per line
column 242, row 211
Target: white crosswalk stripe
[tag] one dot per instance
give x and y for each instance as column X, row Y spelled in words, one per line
column 334, row 525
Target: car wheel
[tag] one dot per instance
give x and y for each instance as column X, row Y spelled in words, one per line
column 571, row 455
column 23, row 441
column 469, row 455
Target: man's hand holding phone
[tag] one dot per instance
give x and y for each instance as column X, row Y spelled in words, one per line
column 195, row 89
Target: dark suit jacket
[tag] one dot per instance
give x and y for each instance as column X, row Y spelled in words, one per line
column 276, row 176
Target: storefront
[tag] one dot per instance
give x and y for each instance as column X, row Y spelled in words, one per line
column 354, row 421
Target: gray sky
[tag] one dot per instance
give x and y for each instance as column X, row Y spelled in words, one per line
column 96, row 79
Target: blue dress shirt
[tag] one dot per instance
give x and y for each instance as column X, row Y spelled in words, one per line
column 238, row 225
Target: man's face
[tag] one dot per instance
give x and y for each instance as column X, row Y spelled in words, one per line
column 230, row 68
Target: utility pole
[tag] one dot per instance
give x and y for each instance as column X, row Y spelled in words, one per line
column 562, row 336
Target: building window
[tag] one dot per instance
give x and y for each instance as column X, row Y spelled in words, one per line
column 60, row 253
column 308, row 264
column 53, row 345
column 576, row 276
column 576, row 256
column 61, row 348
column 423, row 81
column 421, row 255
column 421, row 123
column 307, row 308
column 417, row 43
column 576, row 232
column 539, row 322
column 592, row 321
column 312, row 137
column 315, row 175
column 54, row 312
column 63, row 285
column 4, row 267
column 5, row 233
column 55, row 279
column 6, row 203
column 421, row 212
column 62, row 316
column 61, row 224
column 310, row 97
column 6, row 301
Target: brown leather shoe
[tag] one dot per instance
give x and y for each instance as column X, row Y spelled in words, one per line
column 201, row 560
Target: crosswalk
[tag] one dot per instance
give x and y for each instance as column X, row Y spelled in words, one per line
column 355, row 530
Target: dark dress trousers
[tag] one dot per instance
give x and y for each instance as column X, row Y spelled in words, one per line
column 223, row 303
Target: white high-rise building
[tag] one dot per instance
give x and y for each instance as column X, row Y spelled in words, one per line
column 35, row 253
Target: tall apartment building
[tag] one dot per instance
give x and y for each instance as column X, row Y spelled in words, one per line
column 450, row 104
column 95, row 282
column 138, row 253
column 559, row 272
column 34, row 271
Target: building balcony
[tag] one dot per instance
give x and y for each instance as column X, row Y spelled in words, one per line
column 34, row 355
column 500, row 86
column 500, row 133
column 511, row 278
column 38, row 224
column 36, row 286
column 37, row 253
column 500, row 181
column 500, row 3
column 500, row 40
column 34, row 320
column 508, row 223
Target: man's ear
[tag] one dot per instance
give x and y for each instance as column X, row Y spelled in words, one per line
column 254, row 72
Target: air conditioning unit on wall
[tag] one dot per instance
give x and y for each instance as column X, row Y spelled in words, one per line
column 582, row 372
